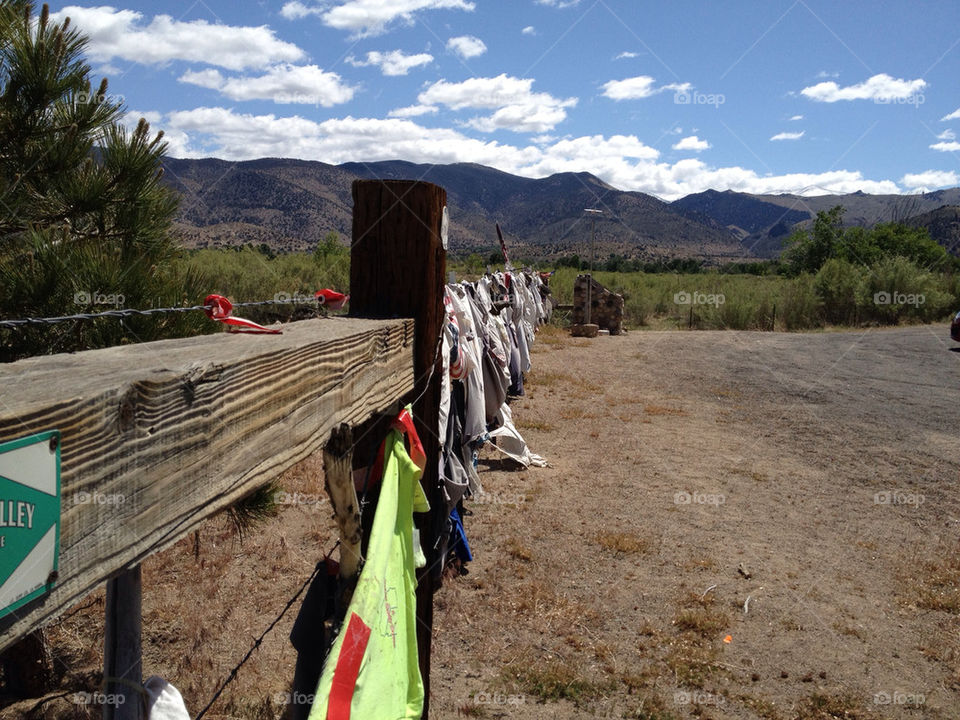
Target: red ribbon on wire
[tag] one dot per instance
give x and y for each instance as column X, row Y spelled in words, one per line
column 218, row 308
column 331, row 298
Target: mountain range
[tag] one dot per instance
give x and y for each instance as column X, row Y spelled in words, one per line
column 292, row 204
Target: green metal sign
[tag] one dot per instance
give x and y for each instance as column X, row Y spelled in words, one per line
column 29, row 518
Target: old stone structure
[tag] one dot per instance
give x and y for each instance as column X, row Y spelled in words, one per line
column 606, row 308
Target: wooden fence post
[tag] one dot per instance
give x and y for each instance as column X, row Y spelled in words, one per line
column 397, row 269
column 122, row 670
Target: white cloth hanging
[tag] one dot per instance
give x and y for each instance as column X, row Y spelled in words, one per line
column 164, row 701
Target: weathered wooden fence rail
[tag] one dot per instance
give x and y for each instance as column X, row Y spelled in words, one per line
column 157, row 437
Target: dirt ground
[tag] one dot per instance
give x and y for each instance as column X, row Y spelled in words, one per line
column 731, row 525
column 824, row 466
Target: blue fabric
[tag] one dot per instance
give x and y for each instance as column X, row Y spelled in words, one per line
column 460, row 545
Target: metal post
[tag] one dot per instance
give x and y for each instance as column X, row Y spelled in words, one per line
column 121, row 651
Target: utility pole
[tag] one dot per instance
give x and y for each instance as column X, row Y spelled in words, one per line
column 593, row 234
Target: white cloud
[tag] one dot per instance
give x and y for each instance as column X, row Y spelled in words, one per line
column 789, row 135
column 623, row 161
column 296, row 10
column 879, row 88
column 392, row 63
column 639, row 87
column 125, row 35
column 626, row 54
column 520, row 118
column 930, row 179
column 370, row 17
column 951, row 146
column 466, row 46
column 306, row 85
column 947, row 135
column 211, row 79
column 955, row 115
column 414, row 111
column 825, row 74
column 177, row 141
column 529, row 30
column 692, row 143
column 558, row 3
column 516, row 107
column 796, row 117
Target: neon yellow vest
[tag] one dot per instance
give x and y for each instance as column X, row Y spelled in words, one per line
column 372, row 671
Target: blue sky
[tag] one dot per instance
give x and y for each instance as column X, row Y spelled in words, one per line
column 667, row 98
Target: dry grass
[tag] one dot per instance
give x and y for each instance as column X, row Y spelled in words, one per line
column 691, row 663
column 478, row 711
column 623, row 543
column 938, row 585
column 578, row 413
column 554, row 680
column 522, row 423
column 822, row 706
column 549, row 379
column 705, row 622
column 518, row 550
column 662, row 410
column 552, row 335
column 844, row 629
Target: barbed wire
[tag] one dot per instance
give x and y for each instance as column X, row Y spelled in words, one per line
column 130, row 312
column 256, row 643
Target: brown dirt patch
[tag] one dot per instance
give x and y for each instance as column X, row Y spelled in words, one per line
column 795, row 492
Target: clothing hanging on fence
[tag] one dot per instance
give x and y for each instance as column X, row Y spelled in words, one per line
column 486, row 342
column 461, row 548
column 372, row 670
column 164, row 701
column 512, row 444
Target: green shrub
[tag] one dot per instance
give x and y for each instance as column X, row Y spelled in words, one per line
column 896, row 289
column 836, row 284
column 800, row 308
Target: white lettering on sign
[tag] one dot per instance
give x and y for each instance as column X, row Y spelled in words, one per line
column 16, row 513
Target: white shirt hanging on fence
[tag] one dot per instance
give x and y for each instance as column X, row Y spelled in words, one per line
column 164, row 701
column 475, row 423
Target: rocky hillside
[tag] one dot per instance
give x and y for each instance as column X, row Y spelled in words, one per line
column 291, row 204
column 764, row 221
column 943, row 225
